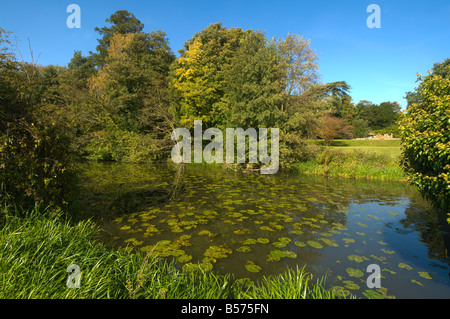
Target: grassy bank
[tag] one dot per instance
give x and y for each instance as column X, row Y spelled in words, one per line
column 389, row 148
column 369, row 159
column 37, row 248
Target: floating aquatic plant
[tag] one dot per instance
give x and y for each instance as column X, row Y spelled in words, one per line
column 424, row 274
column 354, row 272
column 361, row 224
column 253, row 268
column 244, row 249
column 249, row 241
column 242, row 231
column 390, row 271
column 405, row 266
column 340, row 291
column 314, row 244
column 358, row 259
column 206, row 233
column 184, row 258
column 299, row 243
column 217, row 252
column 351, row 285
column 279, row 244
column 329, row 242
column 263, row 240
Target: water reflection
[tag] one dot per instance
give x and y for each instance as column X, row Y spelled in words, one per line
column 253, row 225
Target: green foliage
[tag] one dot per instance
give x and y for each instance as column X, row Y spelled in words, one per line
column 122, row 22
column 442, row 69
column 378, row 116
column 354, row 164
column 197, row 77
column 361, row 128
column 35, row 165
column 426, row 142
column 35, row 162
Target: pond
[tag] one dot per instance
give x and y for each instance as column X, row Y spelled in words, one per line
column 254, row 225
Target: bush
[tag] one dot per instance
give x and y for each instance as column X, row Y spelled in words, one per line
column 426, row 141
column 35, row 165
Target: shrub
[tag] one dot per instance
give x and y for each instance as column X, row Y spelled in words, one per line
column 426, row 140
column 35, row 165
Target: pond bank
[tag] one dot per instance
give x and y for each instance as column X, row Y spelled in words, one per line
column 353, row 164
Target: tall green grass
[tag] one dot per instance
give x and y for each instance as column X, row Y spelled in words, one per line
column 353, row 164
column 37, row 247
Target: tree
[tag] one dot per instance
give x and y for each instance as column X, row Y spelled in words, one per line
column 333, row 127
column 197, row 80
column 255, row 83
column 426, row 141
column 123, row 22
column 380, row 116
column 131, row 98
column 300, row 66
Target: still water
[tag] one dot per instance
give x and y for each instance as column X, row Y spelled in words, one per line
column 255, row 225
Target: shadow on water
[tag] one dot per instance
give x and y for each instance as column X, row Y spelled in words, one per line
column 255, row 225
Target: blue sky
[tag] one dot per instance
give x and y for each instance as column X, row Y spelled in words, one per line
column 379, row 64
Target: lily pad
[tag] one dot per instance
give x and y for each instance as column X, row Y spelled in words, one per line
column 249, row 241
column 329, row 242
column 263, row 240
column 354, row 272
column 163, row 243
column 314, row 244
column 361, row 224
column 405, row 266
column 279, row 244
column 299, row 243
column 242, row 231
column 358, row 259
column 340, row 291
column 290, row 254
column 184, row 258
column 278, row 253
column 284, row 240
column 424, row 274
column 206, row 233
column 244, row 249
column 253, row 268
column 351, row 285
column 217, row 252
column 416, row 282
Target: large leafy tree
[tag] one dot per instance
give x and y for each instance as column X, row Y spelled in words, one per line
column 122, row 22
column 426, row 140
column 255, row 83
column 130, row 92
column 198, row 81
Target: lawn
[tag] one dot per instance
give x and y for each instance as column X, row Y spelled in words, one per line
column 384, row 147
